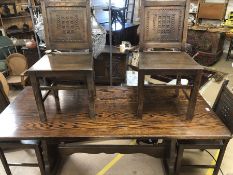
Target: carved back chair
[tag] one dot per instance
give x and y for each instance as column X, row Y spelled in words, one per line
column 30, row 144
column 223, row 107
column 17, row 66
column 67, row 24
column 163, row 24
column 67, row 29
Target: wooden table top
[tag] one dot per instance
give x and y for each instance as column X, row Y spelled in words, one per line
column 116, row 117
column 71, row 62
column 167, row 61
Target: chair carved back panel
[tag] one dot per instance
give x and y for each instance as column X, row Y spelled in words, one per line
column 223, row 106
column 163, row 24
column 67, row 24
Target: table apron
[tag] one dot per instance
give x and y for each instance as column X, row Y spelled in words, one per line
column 156, row 151
column 170, row 72
column 75, row 74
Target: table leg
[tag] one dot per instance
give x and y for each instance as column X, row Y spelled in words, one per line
column 179, row 159
column 51, row 157
column 91, row 94
column 193, row 96
column 220, row 158
column 169, row 163
column 38, row 96
column 141, row 78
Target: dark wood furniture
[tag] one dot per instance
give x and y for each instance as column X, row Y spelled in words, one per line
column 208, row 44
column 102, row 66
column 230, row 37
column 164, row 25
column 67, row 28
column 223, row 107
column 31, row 54
column 30, row 144
column 129, row 33
column 116, row 108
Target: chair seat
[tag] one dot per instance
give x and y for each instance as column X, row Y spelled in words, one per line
column 64, row 62
column 167, row 61
column 15, row 79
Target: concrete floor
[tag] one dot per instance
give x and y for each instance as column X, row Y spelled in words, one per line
column 135, row 164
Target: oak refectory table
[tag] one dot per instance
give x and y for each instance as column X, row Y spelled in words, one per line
column 116, row 107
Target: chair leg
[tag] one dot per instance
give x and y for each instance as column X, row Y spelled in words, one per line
column 179, row 159
column 4, row 162
column 39, row 157
column 178, row 82
column 94, row 84
column 220, row 158
column 193, row 96
column 140, row 93
column 91, row 95
column 56, row 96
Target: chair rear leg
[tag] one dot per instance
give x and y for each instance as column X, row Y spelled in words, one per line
column 4, row 162
column 57, row 101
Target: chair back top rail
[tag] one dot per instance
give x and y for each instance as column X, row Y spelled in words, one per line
column 223, row 106
column 164, row 24
column 67, row 24
column 17, row 64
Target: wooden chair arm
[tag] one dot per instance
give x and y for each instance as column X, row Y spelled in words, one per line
column 23, row 75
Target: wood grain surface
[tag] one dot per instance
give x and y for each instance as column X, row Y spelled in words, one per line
column 164, row 116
